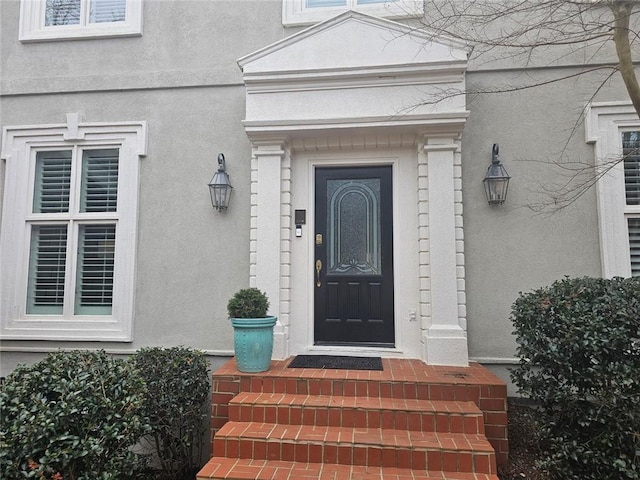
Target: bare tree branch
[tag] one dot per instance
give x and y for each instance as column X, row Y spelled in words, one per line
column 586, row 35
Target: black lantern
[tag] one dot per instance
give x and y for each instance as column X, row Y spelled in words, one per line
column 220, row 187
column 496, row 181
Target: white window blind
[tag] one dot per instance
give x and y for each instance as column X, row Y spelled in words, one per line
column 47, row 266
column 631, row 152
column 101, row 11
column 326, row 3
column 634, row 245
column 94, row 285
column 631, row 161
column 99, row 180
column 95, row 237
column 53, row 182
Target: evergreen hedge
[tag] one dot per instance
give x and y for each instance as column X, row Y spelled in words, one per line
column 579, row 347
column 74, row 415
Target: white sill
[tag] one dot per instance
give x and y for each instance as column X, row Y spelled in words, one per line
column 76, row 32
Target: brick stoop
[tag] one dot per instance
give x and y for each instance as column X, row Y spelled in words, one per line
column 409, row 421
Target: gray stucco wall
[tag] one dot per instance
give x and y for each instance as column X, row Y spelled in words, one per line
column 185, row 83
column 513, row 247
column 181, row 77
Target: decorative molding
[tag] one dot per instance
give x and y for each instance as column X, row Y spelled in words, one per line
column 48, row 133
column 604, row 123
column 424, row 267
column 459, row 230
column 286, row 219
column 356, row 77
column 359, row 132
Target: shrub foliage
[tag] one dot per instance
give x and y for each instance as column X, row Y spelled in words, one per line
column 248, row 303
column 177, row 391
column 579, row 347
column 74, row 415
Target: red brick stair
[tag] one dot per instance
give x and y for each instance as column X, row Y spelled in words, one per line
column 410, row 421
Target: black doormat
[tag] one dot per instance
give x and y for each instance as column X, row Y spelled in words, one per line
column 336, row 362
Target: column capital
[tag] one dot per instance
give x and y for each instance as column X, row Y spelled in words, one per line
column 440, row 145
column 269, row 147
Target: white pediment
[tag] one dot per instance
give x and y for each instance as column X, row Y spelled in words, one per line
column 353, row 41
column 355, row 72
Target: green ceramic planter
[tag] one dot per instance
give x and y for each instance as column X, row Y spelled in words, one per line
column 253, row 343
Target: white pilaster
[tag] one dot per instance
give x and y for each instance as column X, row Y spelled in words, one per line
column 442, row 291
column 270, row 232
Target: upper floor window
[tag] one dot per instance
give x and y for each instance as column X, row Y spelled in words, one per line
column 72, row 19
column 69, row 231
column 307, row 12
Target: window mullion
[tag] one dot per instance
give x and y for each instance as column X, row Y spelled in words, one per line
column 71, row 265
column 76, row 178
column 73, row 228
column 84, row 12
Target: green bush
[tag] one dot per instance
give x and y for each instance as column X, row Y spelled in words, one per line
column 177, row 382
column 248, row 303
column 579, row 347
column 73, row 416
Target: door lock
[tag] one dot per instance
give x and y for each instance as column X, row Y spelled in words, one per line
column 318, row 268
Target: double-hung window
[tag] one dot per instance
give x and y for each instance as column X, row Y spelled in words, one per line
column 614, row 129
column 67, row 244
column 306, row 12
column 71, row 19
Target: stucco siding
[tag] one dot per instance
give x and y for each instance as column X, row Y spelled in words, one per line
column 515, row 247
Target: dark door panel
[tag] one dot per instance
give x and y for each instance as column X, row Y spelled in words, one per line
column 354, row 256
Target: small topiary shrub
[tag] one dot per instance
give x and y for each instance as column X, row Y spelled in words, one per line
column 177, row 391
column 248, row 303
column 74, row 415
column 579, row 347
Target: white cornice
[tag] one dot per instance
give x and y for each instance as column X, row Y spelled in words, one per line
column 391, row 75
column 75, row 130
column 341, row 133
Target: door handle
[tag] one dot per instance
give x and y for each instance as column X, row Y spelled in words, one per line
column 318, row 268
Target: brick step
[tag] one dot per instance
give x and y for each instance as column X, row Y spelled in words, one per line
column 377, row 447
column 359, row 412
column 441, row 388
column 219, row 468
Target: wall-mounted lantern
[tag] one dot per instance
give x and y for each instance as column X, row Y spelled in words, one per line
column 496, row 181
column 220, row 187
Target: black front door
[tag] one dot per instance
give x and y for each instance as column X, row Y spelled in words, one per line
column 353, row 267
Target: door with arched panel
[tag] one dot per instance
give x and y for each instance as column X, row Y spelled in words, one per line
column 353, row 265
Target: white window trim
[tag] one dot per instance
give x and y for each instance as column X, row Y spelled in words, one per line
column 605, row 123
column 18, row 148
column 295, row 13
column 33, row 29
